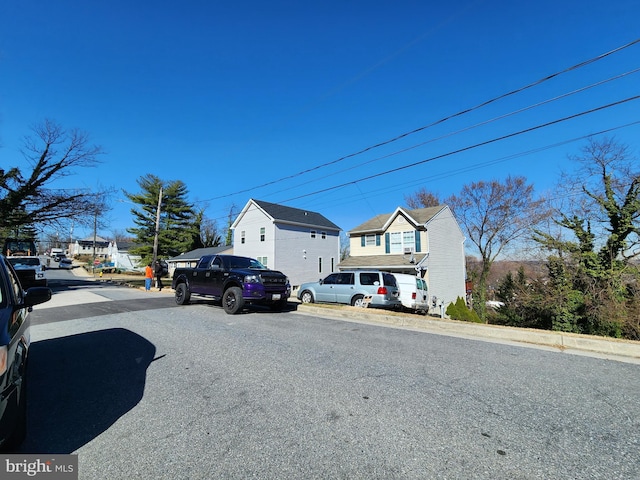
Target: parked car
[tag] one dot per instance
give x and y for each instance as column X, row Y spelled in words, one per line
column 358, row 288
column 15, row 304
column 66, row 263
column 414, row 292
column 235, row 281
column 30, row 271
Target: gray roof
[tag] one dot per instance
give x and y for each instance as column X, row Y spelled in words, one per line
column 281, row 213
column 199, row 252
column 377, row 223
column 381, row 262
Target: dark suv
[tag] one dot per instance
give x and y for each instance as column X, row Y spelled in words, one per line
column 15, row 305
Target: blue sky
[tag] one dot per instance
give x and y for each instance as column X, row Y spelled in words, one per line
column 271, row 100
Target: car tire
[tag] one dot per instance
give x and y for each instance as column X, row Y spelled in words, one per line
column 232, row 300
column 183, row 295
column 307, row 297
column 357, row 301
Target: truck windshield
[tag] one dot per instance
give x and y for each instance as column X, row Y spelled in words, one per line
column 24, row 262
column 243, row 262
column 19, row 247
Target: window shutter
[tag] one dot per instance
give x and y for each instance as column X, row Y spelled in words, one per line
column 362, row 241
column 418, row 241
column 377, row 239
column 387, row 243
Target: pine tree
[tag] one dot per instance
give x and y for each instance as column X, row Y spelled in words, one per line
column 178, row 230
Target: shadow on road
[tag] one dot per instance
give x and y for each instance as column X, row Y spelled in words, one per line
column 81, row 384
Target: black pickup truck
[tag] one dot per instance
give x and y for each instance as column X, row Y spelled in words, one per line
column 235, row 281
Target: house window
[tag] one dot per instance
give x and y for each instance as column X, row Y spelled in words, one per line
column 242, row 236
column 313, row 234
column 333, row 262
column 262, row 260
column 370, row 240
column 319, row 264
column 395, row 239
column 408, row 240
column 323, row 235
column 262, row 233
column 399, row 242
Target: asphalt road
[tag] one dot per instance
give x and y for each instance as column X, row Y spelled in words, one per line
column 141, row 388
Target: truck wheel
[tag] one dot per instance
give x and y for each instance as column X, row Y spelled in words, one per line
column 182, row 294
column 306, row 297
column 232, row 300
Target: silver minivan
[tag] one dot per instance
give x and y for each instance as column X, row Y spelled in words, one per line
column 357, row 287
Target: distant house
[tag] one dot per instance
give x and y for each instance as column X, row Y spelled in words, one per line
column 302, row 244
column 427, row 242
column 90, row 246
column 190, row 259
column 122, row 259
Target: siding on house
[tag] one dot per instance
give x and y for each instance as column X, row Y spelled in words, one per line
column 303, row 245
column 304, row 257
column 426, row 241
column 247, row 236
column 446, row 265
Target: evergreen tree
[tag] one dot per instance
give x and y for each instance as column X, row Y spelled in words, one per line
column 178, row 228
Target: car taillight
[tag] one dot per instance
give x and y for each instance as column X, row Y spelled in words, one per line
column 413, row 296
column 382, row 290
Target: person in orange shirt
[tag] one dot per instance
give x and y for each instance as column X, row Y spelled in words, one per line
column 148, row 276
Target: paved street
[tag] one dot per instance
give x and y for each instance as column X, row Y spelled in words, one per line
column 190, row 392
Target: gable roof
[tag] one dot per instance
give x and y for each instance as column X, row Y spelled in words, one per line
column 290, row 215
column 380, row 223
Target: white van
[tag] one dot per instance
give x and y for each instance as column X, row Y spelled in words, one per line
column 414, row 293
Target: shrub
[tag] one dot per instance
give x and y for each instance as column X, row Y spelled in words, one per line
column 460, row 311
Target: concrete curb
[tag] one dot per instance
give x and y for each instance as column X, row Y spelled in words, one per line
column 559, row 340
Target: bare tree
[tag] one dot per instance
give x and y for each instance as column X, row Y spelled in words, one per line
column 494, row 216
column 422, row 199
column 29, row 198
column 209, row 233
column 610, row 207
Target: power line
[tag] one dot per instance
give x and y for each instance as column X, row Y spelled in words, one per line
column 485, row 122
column 491, row 162
column 470, row 147
column 442, row 120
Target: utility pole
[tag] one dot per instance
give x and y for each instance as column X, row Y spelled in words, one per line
column 155, row 237
column 95, row 234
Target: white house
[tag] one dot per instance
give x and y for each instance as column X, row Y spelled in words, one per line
column 302, row 244
column 122, row 259
column 89, row 246
column 427, row 242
